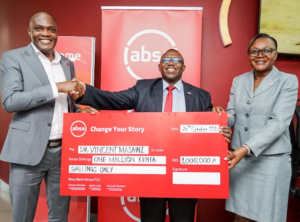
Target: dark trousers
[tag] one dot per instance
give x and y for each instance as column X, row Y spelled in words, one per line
column 180, row 209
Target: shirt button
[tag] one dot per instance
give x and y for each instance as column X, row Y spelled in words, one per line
column 246, row 128
column 49, row 124
column 247, row 115
column 248, row 102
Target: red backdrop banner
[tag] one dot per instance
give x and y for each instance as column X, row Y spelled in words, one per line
column 81, row 51
column 132, row 42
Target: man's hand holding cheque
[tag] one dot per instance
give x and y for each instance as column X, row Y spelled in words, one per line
column 225, row 130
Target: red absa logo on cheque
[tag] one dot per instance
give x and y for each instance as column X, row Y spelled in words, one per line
column 143, row 52
column 78, row 128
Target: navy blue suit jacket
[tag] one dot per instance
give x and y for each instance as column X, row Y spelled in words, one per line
column 145, row 96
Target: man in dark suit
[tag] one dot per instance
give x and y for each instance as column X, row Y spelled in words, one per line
column 153, row 95
column 35, row 81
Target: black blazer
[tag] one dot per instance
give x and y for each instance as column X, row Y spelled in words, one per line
column 145, row 96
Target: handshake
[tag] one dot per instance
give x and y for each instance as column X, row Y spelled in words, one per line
column 75, row 88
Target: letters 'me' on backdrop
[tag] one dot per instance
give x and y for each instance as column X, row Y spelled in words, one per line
column 133, row 40
column 81, row 51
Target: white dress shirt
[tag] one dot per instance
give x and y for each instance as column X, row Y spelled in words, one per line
column 178, row 99
column 55, row 74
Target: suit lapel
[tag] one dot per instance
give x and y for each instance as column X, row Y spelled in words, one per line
column 249, row 83
column 35, row 64
column 267, row 82
column 66, row 67
column 158, row 98
column 189, row 97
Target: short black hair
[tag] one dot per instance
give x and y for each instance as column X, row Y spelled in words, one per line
column 262, row 35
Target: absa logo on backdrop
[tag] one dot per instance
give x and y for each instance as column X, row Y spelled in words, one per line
column 131, row 207
column 143, row 51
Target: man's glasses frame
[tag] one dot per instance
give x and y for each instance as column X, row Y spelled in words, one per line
column 264, row 52
column 168, row 60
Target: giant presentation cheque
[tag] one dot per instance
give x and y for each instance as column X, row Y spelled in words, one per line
column 145, row 155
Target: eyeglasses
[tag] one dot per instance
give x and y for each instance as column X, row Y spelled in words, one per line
column 264, row 52
column 168, row 60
